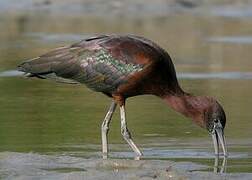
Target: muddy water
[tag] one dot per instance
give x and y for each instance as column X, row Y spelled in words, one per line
column 210, row 44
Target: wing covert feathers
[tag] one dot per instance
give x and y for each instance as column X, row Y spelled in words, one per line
column 89, row 64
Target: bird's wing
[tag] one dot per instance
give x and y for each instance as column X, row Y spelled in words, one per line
column 44, row 65
column 129, row 49
column 91, row 64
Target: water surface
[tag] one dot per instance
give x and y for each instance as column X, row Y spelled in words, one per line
column 42, row 121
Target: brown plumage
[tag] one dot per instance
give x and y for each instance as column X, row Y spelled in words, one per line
column 126, row 66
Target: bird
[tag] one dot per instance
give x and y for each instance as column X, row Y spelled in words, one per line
column 123, row 66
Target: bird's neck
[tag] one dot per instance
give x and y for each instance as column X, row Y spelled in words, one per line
column 188, row 105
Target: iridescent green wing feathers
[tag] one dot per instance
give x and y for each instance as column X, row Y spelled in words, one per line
column 98, row 69
column 94, row 67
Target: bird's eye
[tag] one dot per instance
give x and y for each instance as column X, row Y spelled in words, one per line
column 215, row 120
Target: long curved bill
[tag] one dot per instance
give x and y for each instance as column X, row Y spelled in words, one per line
column 218, row 136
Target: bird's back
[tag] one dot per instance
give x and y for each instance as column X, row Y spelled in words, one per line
column 108, row 63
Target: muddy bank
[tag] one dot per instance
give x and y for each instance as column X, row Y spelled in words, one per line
column 36, row 166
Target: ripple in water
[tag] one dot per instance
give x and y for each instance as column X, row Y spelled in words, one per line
column 219, row 75
column 11, row 73
column 231, row 39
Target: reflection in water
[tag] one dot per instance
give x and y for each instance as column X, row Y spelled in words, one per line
column 192, row 75
column 220, row 167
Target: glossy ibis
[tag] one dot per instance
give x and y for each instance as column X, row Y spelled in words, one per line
column 122, row 67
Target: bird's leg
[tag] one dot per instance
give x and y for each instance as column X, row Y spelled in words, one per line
column 105, row 129
column 125, row 132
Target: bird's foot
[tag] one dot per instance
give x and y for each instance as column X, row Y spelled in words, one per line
column 104, row 155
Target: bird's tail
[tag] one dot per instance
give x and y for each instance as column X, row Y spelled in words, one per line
column 43, row 64
column 35, row 66
column 50, row 65
column 41, row 67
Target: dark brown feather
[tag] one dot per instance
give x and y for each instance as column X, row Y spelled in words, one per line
column 109, row 64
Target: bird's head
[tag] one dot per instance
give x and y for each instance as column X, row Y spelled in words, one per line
column 215, row 121
column 204, row 111
column 214, row 117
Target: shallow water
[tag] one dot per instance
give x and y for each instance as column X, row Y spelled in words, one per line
column 43, row 122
